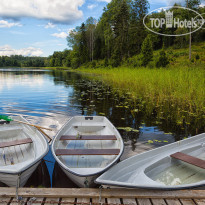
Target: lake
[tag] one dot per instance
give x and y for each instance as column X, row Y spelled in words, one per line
column 49, row 98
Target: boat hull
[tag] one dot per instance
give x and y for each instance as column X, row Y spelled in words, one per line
column 22, row 149
column 81, row 181
column 157, row 169
column 85, row 147
column 12, row 179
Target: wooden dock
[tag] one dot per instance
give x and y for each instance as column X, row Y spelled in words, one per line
column 58, row 196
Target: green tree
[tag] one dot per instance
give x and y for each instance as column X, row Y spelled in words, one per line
column 147, row 51
column 137, row 31
column 121, row 26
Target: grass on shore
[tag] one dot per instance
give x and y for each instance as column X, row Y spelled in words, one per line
column 180, row 88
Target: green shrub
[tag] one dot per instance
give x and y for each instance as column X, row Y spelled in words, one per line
column 163, row 60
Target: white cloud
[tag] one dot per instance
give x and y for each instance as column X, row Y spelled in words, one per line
column 30, row 51
column 108, row 1
column 6, row 24
column 50, row 25
column 62, row 34
column 92, row 6
column 65, row 11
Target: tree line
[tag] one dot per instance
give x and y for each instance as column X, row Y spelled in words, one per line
column 21, row 61
column 119, row 36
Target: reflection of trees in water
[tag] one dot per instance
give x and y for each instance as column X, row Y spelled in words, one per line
column 40, row 177
column 60, row 179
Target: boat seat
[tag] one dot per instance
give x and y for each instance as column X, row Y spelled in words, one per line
column 15, row 142
column 88, row 137
column 189, row 159
column 87, row 152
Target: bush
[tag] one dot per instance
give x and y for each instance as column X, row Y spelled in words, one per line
column 197, row 57
column 163, row 60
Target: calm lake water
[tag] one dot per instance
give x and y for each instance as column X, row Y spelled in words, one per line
column 50, row 98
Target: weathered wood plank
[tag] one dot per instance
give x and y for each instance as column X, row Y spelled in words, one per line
column 129, row 201
column 5, row 200
column 87, row 152
column 173, row 202
column 35, row 201
column 158, row 202
column 83, row 201
column 15, row 142
column 113, row 201
column 22, row 202
column 106, row 193
column 88, row 137
column 200, row 201
column 96, row 201
column 53, row 201
column 187, row 202
column 189, row 159
column 68, row 201
column 144, row 202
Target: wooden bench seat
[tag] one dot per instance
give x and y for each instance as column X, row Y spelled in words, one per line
column 15, row 142
column 87, row 152
column 88, row 137
column 189, row 159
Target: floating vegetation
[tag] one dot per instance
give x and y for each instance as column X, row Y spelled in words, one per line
column 127, row 129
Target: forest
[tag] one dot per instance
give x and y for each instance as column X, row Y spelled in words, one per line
column 118, row 37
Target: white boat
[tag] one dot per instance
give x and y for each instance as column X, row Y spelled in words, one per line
column 85, row 147
column 21, row 149
column 179, row 165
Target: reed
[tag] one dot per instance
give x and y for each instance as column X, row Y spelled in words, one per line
column 182, row 88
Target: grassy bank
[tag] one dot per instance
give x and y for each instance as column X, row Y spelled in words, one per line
column 179, row 89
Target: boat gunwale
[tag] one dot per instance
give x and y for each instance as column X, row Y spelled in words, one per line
column 61, row 164
column 23, row 169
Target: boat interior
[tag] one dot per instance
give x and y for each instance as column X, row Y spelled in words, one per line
column 184, row 167
column 88, row 144
column 16, row 146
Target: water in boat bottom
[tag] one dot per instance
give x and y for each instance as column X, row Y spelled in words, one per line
column 180, row 173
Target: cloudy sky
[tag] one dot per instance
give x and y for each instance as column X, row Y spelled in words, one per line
column 40, row 27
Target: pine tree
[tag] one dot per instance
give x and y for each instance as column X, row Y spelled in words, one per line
column 137, row 31
column 83, row 48
column 147, row 51
column 121, row 25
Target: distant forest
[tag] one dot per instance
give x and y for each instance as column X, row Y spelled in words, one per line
column 119, row 35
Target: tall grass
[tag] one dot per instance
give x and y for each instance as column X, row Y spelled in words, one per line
column 179, row 89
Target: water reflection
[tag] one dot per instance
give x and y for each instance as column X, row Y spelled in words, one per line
column 50, row 98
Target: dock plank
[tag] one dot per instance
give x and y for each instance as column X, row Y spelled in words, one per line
column 144, row 201
column 106, row 193
column 35, row 201
column 173, row 202
column 5, row 200
column 83, row 201
column 187, row 202
column 96, row 201
column 68, row 201
column 129, row 201
column 158, row 202
column 113, row 201
column 200, row 201
column 53, row 201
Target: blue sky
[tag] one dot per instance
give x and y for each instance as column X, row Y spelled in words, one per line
column 40, row 27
